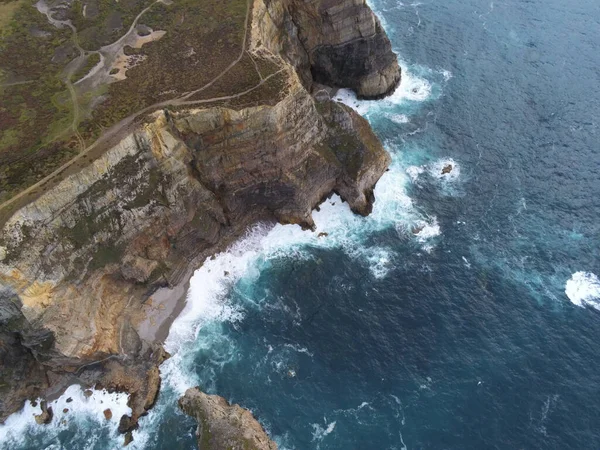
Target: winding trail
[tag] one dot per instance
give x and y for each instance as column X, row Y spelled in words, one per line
column 125, row 123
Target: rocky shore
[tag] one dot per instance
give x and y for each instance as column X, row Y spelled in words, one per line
column 93, row 271
column 224, row 426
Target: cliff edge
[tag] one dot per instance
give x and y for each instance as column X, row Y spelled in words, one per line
column 95, row 257
column 222, row 426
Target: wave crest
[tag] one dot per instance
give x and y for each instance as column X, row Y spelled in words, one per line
column 583, row 289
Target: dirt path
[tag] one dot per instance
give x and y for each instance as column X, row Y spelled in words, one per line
column 118, row 129
column 230, row 66
column 17, row 83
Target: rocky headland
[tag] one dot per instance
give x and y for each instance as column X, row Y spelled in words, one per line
column 94, row 261
column 224, row 426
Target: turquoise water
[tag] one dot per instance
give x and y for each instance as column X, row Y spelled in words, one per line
column 460, row 337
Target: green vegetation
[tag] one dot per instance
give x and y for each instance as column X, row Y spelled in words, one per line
column 90, row 62
column 7, row 9
column 201, row 40
column 43, row 117
column 104, row 21
column 32, row 111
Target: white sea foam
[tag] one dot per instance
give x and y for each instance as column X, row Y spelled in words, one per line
column 430, row 229
column 380, row 261
column 446, row 74
column 80, row 409
column 299, row 349
column 412, row 89
column 321, row 432
column 414, row 172
column 399, row 118
column 583, row 289
column 436, row 169
column 423, row 229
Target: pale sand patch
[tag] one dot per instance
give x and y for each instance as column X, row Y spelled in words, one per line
column 125, row 62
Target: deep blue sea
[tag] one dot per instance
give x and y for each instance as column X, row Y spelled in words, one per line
column 482, row 331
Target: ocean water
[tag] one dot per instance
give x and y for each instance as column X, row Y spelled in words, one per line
column 482, row 330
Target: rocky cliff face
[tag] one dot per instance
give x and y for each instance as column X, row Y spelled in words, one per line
column 223, row 426
column 337, row 43
column 91, row 271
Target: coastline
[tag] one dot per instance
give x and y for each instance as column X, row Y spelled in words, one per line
column 176, row 297
column 139, row 352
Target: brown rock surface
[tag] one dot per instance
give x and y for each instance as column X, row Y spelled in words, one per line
column 223, row 426
column 337, row 43
column 83, row 264
column 45, row 417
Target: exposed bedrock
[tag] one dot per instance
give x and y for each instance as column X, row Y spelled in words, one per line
column 339, row 43
column 222, row 426
column 87, row 258
column 91, row 271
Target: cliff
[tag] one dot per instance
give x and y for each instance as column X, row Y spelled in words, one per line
column 223, row 426
column 332, row 42
column 93, row 266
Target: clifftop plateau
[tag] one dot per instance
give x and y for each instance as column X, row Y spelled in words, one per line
column 141, row 138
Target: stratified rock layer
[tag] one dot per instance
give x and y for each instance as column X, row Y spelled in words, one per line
column 338, row 43
column 86, row 267
column 222, row 426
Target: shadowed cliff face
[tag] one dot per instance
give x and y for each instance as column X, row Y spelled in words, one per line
column 96, row 265
column 338, row 43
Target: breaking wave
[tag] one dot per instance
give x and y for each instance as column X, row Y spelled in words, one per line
column 583, row 289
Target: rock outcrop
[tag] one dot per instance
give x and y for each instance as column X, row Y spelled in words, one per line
column 45, row 417
column 93, row 269
column 337, row 43
column 223, row 426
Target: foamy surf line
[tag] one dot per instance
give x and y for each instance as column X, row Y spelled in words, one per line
column 337, row 227
column 74, row 411
column 445, row 170
column 209, row 303
column 414, row 88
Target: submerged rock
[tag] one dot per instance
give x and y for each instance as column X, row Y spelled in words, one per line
column 417, row 229
column 128, row 438
column 223, row 426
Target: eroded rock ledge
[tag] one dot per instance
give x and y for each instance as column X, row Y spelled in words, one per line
column 223, row 426
column 91, row 271
column 338, row 43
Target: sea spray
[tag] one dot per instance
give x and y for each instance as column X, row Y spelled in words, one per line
column 583, row 289
column 75, row 411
